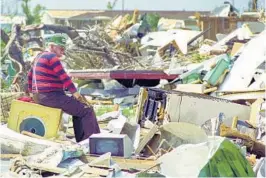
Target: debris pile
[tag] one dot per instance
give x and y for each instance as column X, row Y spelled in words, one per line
column 204, row 116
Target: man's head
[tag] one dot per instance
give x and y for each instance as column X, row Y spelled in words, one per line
column 57, row 44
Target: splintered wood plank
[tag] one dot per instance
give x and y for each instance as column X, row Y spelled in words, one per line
column 45, row 167
column 146, row 139
column 236, row 48
column 125, row 164
column 254, row 113
column 95, row 171
column 193, row 88
column 9, row 156
column 32, row 135
column 143, row 95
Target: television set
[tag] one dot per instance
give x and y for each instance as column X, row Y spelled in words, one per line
column 118, row 145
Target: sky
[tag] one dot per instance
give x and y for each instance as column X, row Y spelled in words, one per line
column 141, row 4
column 194, row 5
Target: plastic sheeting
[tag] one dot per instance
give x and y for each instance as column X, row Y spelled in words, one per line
column 218, row 157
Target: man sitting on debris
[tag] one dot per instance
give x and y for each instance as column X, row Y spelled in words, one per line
column 47, row 80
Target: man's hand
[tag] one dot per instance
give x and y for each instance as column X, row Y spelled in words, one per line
column 77, row 96
column 27, row 93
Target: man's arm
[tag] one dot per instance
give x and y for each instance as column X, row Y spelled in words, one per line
column 59, row 70
column 30, row 81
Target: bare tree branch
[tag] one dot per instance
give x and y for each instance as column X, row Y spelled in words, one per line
column 71, row 32
column 38, row 40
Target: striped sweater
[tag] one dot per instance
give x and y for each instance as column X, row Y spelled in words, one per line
column 50, row 75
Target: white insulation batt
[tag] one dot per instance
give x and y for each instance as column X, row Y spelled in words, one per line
column 253, row 54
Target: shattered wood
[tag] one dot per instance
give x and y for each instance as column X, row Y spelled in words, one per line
column 126, row 164
column 252, row 145
column 95, row 171
column 146, row 139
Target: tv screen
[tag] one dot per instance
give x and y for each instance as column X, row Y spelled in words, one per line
column 103, row 145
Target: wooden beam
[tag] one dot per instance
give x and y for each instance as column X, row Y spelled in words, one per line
column 126, row 164
column 143, row 95
column 32, row 135
column 45, row 167
column 209, row 90
column 9, row 156
column 95, row 171
column 106, row 102
column 255, row 108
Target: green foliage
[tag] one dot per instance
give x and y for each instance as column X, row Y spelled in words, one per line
column 6, row 28
column 32, row 16
column 4, row 85
column 3, row 45
column 129, row 112
column 103, row 109
column 197, row 58
column 110, row 6
column 129, row 18
column 153, row 19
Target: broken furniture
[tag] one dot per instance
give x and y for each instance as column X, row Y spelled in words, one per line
column 154, row 106
column 188, row 107
column 118, row 145
column 151, row 106
column 40, row 120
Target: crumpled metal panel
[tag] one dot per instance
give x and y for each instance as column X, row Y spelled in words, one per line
column 224, row 10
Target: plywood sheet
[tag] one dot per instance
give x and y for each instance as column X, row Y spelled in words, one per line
column 197, row 110
column 236, row 47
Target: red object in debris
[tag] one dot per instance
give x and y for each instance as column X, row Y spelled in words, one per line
column 26, row 99
column 122, row 74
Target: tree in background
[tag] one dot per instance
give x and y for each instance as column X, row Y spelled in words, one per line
column 32, row 16
column 110, row 6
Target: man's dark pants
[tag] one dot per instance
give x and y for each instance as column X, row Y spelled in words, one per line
column 84, row 119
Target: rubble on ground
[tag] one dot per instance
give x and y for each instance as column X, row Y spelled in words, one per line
column 208, row 120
